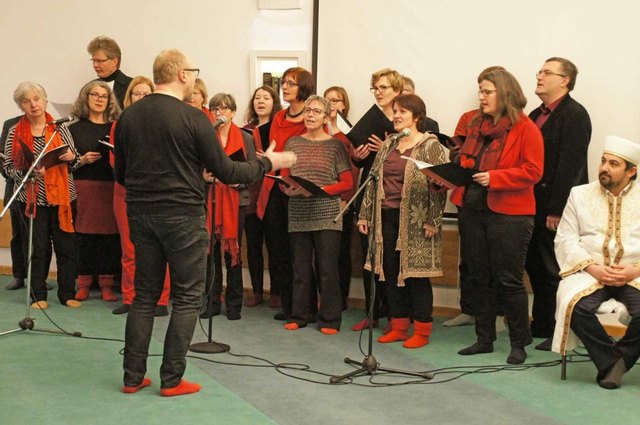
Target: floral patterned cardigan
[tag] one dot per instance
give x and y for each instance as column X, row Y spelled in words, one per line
column 419, row 257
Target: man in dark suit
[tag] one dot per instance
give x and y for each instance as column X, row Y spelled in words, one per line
column 106, row 59
column 566, row 129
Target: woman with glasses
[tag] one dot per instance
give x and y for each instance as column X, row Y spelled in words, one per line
column 496, row 209
column 408, row 223
column 230, row 207
column 297, row 86
column 139, row 88
column 386, row 84
column 54, row 192
column 96, row 227
column 314, row 237
column 263, row 106
column 339, row 100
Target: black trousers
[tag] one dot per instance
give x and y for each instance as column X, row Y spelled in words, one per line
column 325, row 244
column 276, row 233
column 46, row 229
column 494, row 247
column 344, row 261
column 18, row 263
column 254, row 231
column 233, row 293
column 544, row 274
column 603, row 350
column 415, row 299
column 98, row 254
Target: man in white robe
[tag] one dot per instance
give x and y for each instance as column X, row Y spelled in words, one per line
column 598, row 249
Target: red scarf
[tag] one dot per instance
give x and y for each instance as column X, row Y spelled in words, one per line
column 281, row 131
column 483, row 146
column 228, row 201
column 56, row 179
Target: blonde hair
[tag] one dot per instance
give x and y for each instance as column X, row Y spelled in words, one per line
column 140, row 79
column 168, row 64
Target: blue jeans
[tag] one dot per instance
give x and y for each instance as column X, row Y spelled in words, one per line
column 182, row 243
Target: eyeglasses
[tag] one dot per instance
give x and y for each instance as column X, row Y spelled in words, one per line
column 196, row 71
column 381, row 89
column 545, row 73
column 486, row 92
column 334, row 101
column 222, row 109
column 312, row 111
column 289, row 83
column 99, row 61
column 97, row 96
column 139, row 94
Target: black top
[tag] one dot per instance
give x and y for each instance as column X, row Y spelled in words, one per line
column 162, row 145
column 566, row 135
column 120, row 85
column 85, row 136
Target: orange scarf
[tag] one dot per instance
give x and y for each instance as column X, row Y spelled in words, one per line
column 56, row 179
column 228, row 201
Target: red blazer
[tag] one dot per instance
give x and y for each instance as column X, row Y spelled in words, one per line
column 520, row 168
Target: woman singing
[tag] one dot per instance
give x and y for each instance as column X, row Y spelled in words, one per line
column 496, row 210
column 408, row 223
column 312, row 231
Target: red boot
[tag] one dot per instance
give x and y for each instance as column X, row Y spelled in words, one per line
column 420, row 337
column 84, row 284
column 399, row 328
column 106, row 287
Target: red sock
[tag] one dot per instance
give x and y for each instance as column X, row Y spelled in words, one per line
column 184, row 387
column 329, row 331
column 130, row 390
column 291, row 326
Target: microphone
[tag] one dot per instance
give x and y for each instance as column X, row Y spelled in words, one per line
column 397, row 136
column 219, row 122
column 62, row 120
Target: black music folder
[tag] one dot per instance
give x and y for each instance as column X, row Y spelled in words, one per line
column 309, row 189
column 373, row 122
column 48, row 160
column 450, row 174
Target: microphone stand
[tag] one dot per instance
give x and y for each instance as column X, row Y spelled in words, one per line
column 210, row 346
column 27, row 323
column 369, row 365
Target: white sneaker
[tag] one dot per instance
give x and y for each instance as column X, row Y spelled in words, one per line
column 460, row 320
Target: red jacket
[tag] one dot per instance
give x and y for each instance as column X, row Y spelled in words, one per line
column 520, row 168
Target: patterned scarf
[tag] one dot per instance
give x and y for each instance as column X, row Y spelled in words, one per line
column 483, row 146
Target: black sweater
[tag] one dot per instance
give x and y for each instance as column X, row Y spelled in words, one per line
column 162, row 146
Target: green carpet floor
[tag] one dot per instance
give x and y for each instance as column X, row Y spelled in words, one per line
column 53, row 379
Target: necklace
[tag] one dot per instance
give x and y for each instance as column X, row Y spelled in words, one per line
column 290, row 115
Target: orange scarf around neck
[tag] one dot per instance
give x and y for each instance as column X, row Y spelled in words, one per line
column 56, row 179
column 228, row 201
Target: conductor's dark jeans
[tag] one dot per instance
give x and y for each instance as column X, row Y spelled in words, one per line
column 181, row 242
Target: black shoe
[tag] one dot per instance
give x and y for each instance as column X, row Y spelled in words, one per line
column 545, row 345
column 123, row 309
column 477, row 348
column 517, row 355
column 281, row 315
column 161, row 311
column 207, row 314
column 233, row 315
column 15, row 284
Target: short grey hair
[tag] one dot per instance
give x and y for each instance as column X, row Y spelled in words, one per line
column 26, row 86
column 326, row 106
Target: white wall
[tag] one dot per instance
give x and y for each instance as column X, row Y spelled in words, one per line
column 46, row 41
column 443, row 45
